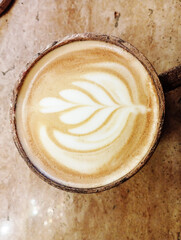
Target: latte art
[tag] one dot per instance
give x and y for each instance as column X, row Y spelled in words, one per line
column 100, row 117
column 87, row 113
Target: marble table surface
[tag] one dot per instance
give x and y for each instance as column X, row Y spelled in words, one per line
column 146, row 207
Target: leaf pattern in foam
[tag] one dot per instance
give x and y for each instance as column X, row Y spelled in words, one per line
column 124, row 73
column 72, row 163
column 116, row 88
column 101, row 105
column 94, row 123
column 51, row 104
column 78, row 115
column 96, row 91
column 76, row 96
column 96, row 140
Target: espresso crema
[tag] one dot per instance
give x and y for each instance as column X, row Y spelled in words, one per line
column 87, row 113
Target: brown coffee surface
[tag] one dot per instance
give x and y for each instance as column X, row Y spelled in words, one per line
column 87, row 113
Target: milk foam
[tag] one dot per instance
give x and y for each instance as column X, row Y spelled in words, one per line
column 87, row 109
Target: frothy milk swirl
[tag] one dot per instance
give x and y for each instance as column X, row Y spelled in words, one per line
column 87, row 109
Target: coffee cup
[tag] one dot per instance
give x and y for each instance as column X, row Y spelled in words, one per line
column 87, row 112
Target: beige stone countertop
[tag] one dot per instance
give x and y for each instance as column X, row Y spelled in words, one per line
column 146, row 207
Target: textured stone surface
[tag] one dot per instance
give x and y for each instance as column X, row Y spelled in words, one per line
column 148, row 206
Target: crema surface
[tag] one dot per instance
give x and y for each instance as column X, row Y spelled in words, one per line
column 87, row 113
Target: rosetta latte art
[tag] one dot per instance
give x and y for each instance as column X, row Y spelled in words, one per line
column 87, row 113
column 100, row 118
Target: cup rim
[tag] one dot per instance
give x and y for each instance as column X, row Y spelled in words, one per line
column 84, row 37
